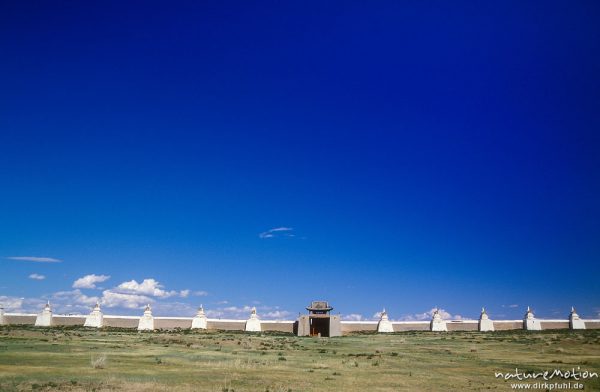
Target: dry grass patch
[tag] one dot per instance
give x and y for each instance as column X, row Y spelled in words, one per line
column 74, row 359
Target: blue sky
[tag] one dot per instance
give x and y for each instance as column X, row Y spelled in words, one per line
column 267, row 154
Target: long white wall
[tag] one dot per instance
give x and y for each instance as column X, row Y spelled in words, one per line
column 286, row 325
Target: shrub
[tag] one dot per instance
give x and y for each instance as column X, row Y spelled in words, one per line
column 98, row 362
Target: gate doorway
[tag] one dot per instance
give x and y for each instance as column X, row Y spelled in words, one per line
column 318, row 322
column 319, row 326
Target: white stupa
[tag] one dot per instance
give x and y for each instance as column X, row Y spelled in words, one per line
column 530, row 323
column 574, row 321
column 385, row 324
column 146, row 321
column 437, row 323
column 95, row 318
column 44, row 319
column 485, row 324
column 2, row 321
column 200, row 321
column 253, row 323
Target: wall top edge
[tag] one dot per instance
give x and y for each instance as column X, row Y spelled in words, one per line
column 276, row 321
column 554, row 320
column 108, row 316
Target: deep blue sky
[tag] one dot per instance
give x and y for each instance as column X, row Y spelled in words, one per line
column 423, row 153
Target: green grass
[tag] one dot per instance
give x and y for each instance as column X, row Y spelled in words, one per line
column 78, row 359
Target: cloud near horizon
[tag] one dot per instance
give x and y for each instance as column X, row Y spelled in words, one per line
column 74, row 299
column 352, row 317
column 35, row 259
column 425, row 316
column 127, row 295
column 112, row 299
column 243, row 312
column 20, row 304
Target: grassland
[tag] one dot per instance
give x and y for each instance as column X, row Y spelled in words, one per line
column 78, row 359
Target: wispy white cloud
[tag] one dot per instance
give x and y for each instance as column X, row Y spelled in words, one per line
column 89, row 281
column 352, row 317
column 199, row 293
column 278, row 232
column 37, row 277
column 35, row 259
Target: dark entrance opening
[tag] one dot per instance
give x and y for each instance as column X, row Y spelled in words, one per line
column 319, row 326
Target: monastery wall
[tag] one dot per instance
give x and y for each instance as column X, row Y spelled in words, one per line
column 15, row 318
column 68, row 320
column 287, row 326
column 401, row 326
column 121, row 322
column 358, row 326
column 172, row 322
column 505, row 325
column 227, row 325
column 555, row 324
column 592, row 324
column 278, row 326
column 462, row 325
